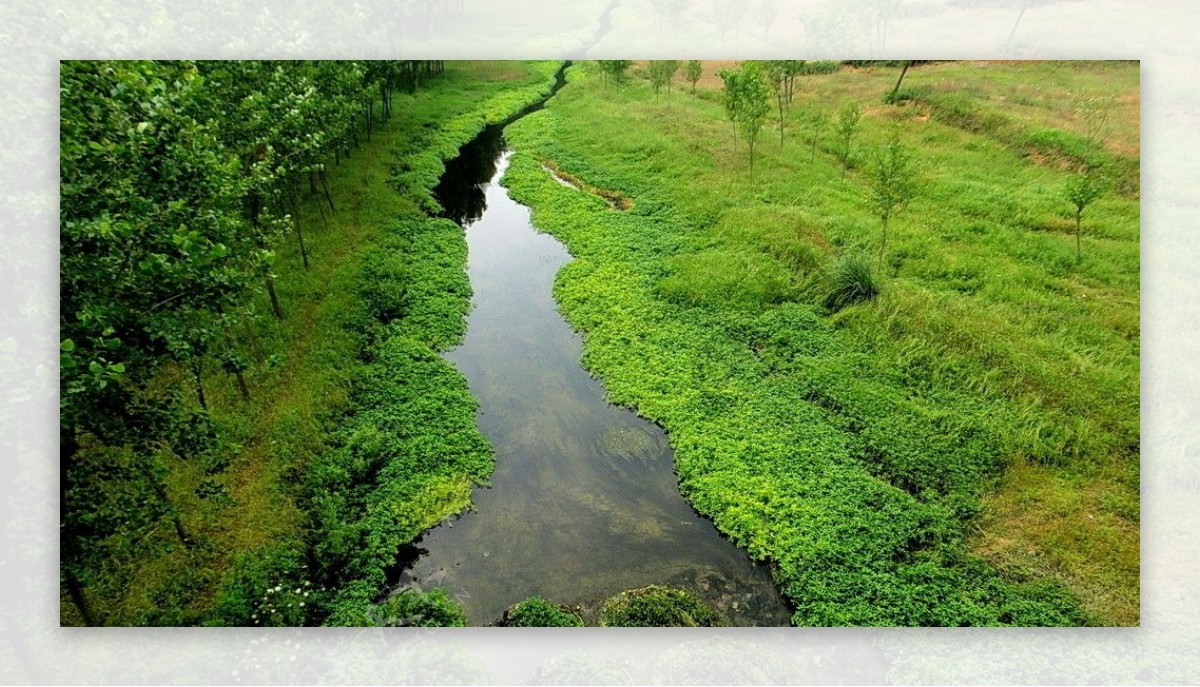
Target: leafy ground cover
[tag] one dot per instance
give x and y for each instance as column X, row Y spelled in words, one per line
column 960, row 447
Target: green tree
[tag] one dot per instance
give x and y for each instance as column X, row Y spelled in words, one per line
column 1081, row 190
column 153, row 258
column 672, row 68
column 781, row 75
column 177, row 179
column 846, row 129
column 662, row 73
column 774, row 74
column 693, row 72
column 152, row 241
column 892, row 184
column 816, row 124
column 747, row 102
column 729, row 98
column 614, row 70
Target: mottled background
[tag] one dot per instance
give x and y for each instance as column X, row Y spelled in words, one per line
column 35, row 35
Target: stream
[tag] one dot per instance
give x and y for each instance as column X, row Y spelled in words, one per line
column 584, row 501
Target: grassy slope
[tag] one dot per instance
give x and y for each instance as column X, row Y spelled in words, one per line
column 316, row 370
column 986, row 402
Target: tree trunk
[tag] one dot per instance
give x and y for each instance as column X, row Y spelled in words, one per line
column 75, row 591
column 780, row 101
column 312, row 182
column 199, row 382
column 325, row 185
column 883, row 241
column 252, row 338
column 295, row 202
column 241, row 382
column 180, row 532
column 324, row 221
column 896, row 88
column 1078, row 235
column 275, row 309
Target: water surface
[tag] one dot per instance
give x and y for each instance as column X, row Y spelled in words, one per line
column 584, row 501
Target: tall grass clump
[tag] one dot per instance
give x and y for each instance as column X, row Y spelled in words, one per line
column 851, row 280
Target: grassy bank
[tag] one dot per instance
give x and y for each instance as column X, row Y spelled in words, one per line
column 356, row 435
column 961, row 449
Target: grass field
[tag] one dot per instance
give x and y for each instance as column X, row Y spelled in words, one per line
column 961, row 449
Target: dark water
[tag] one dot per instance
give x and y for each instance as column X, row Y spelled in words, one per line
column 584, row 501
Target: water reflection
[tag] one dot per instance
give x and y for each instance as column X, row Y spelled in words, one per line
column 460, row 190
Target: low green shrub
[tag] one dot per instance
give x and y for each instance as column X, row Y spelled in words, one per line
column 537, row 612
column 406, row 608
column 269, row 587
column 820, row 67
column 415, row 608
column 656, row 606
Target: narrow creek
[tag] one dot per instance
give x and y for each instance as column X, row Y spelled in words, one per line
column 584, row 501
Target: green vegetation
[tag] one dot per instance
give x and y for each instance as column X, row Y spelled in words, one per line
column 408, row 608
column 254, row 423
column 1082, row 190
column 256, row 418
column 657, row 607
column 746, row 92
column 614, row 70
column 893, row 183
column 662, row 74
column 692, row 72
column 960, row 449
column 850, row 281
column 781, row 74
column 537, row 612
column 847, row 128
